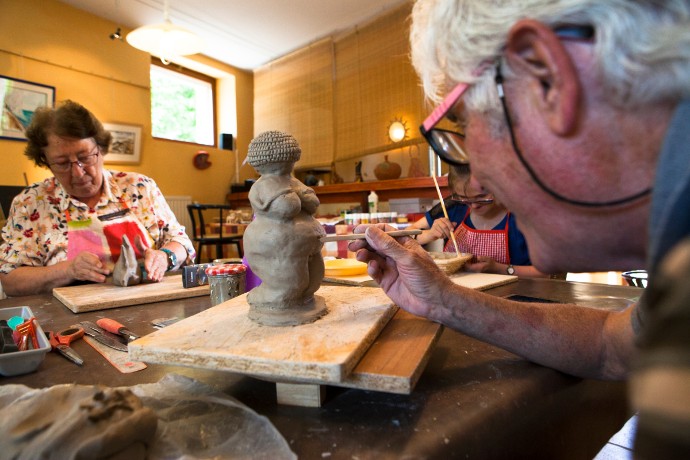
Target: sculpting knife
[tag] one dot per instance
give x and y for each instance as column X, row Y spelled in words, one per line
column 360, row 236
column 114, row 327
column 94, row 332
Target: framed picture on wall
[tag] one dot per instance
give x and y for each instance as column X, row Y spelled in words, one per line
column 20, row 99
column 126, row 145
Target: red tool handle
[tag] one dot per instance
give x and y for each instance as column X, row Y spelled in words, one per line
column 110, row 325
column 69, row 335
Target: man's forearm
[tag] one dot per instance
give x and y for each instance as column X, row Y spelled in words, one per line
column 571, row 338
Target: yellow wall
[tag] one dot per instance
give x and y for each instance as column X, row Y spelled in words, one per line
column 51, row 43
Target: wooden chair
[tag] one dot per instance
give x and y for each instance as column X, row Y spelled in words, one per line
column 202, row 238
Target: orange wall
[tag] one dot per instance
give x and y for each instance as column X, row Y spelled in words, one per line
column 51, row 43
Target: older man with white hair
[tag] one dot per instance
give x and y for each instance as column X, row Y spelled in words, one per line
column 576, row 115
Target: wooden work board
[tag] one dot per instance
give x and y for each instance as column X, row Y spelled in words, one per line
column 101, row 296
column 470, row 280
column 355, row 345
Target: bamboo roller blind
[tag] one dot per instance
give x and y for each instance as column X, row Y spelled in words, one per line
column 295, row 95
column 337, row 97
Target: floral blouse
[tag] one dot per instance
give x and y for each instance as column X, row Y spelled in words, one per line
column 36, row 229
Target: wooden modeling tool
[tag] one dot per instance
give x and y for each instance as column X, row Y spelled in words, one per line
column 445, row 213
column 360, row 236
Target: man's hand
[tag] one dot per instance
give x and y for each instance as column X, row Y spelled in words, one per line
column 402, row 268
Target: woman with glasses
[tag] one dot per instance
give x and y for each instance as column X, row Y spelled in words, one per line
column 482, row 227
column 69, row 227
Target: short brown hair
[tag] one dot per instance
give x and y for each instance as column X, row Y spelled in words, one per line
column 71, row 120
column 458, row 172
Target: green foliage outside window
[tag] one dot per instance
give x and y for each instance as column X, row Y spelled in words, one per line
column 181, row 107
column 173, row 108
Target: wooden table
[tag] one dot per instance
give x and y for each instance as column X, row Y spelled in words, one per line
column 474, row 400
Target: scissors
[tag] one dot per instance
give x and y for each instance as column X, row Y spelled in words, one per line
column 63, row 339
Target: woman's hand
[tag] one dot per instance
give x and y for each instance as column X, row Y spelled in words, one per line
column 87, row 267
column 155, row 264
column 402, row 268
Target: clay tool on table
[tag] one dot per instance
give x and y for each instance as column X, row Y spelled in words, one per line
column 62, row 340
column 103, row 342
column 118, row 360
column 160, row 323
column 445, row 214
column 114, row 327
column 102, row 336
column 27, row 330
column 360, row 236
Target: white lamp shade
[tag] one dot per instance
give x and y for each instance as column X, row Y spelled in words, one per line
column 165, row 40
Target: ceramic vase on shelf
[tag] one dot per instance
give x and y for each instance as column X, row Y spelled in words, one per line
column 387, row 170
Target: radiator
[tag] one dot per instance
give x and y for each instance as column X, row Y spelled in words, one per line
column 178, row 204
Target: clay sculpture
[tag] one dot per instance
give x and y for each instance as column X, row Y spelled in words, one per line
column 283, row 244
column 127, row 271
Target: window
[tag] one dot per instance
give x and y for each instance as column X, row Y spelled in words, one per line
column 182, row 105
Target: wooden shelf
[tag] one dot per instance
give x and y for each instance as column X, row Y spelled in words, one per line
column 357, row 192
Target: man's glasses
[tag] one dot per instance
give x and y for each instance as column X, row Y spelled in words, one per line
column 82, row 162
column 450, row 145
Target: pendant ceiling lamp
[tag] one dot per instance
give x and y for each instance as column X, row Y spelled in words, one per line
column 165, row 40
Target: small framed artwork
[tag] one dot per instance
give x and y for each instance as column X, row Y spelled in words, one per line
column 125, row 147
column 20, row 99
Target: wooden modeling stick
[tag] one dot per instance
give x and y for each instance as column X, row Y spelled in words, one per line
column 445, row 213
column 361, row 236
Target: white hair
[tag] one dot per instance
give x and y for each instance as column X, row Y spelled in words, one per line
column 642, row 48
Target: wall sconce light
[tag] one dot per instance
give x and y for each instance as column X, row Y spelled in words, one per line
column 165, row 40
column 397, row 130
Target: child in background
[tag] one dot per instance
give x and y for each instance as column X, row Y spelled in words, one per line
column 482, row 226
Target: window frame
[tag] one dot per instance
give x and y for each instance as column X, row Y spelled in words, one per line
column 199, row 76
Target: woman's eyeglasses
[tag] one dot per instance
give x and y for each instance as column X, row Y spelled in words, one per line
column 82, row 162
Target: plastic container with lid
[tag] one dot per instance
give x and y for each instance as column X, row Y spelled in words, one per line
column 226, row 281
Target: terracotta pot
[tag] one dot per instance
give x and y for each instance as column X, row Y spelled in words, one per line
column 387, row 170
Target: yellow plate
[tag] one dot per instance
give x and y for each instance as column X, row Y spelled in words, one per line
column 344, row 267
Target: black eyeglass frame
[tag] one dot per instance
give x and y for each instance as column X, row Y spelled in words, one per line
column 567, row 32
column 66, row 166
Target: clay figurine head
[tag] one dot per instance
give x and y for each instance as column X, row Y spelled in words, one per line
column 273, row 152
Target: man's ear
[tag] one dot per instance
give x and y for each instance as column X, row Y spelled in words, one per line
column 534, row 51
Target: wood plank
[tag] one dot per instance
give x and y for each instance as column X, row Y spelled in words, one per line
column 352, row 280
column 224, row 338
column 397, row 359
column 467, row 279
column 482, row 281
column 101, row 296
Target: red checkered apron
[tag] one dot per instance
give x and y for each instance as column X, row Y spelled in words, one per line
column 487, row 243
